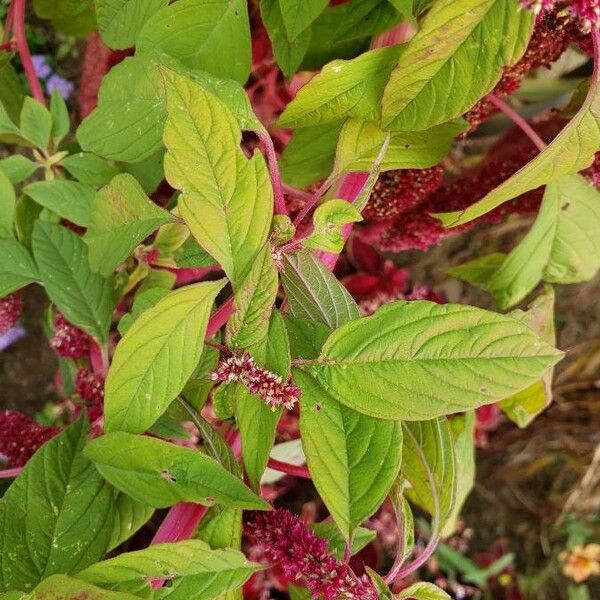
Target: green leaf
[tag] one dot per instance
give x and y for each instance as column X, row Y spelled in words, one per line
column 288, row 53
column 89, row 168
column 314, row 293
column 353, row 459
column 17, row 168
column 162, row 474
column 36, row 123
column 462, row 428
column 70, row 200
column 17, row 268
column 572, row 150
column 142, row 302
column 381, row 587
column 57, row 516
column 345, row 30
column 8, row 130
column 360, row 143
column 253, row 303
column 282, row 229
column 128, row 123
column 298, row 593
column 227, row 200
column 563, row 246
column 7, row 206
column 60, row 117
column 328, row 220
column 221, row 528
column 418, row 360
column 11, row 94
column 156, row 357
column 456, row 57
column 191, row 255
column 309, row 155
column 344, row 88
column 60, row 9
column 213, row 443
column 120, row 21
column 337, row 543
column 306, row 337
column 122, row 216
column 190, row 564
column 256, row 420
column 299, row 14
column 524, row 406
column 478, row 271
column 200, row 384
column 404, row 519
column 423, row 591
column 129, row 516
column 26, row 215
column 278, row 357
column 429, row 465
column 84, row 297
column 195, row 32
column 67, row 588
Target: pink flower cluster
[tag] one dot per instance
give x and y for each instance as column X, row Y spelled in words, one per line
column 303, row 557
column 397, row 192
column 20, row 437
column 553, row 32
column 269, row 386
column 417, row 229
column 585, row 12
column 90, row 388
column 11, row 308
column 67, row 340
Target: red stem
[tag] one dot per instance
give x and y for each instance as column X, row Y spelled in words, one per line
column 269, row 149
column 6, row 473
column 518, row 120
column 23, row 50
column 8, row 47
column 314, row 199
column 288, row 469
column 219, row 318
column 8, row 23
column 419, row 561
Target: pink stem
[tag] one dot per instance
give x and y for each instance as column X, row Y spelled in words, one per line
column 349, row 189
column 23, row 50
column 518, row 120
column 185, row 276
column 314, row 199
column 417, row 563
column 179, row 524
column 292, row 191
column 8, row 24
column 6, row 473
column 219, row 318
column 267, row 143
column 288, row 469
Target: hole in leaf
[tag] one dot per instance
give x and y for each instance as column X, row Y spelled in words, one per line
column 168, row 476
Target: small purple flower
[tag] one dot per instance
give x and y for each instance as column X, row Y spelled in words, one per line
column 41, row 67
column 64, row 86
